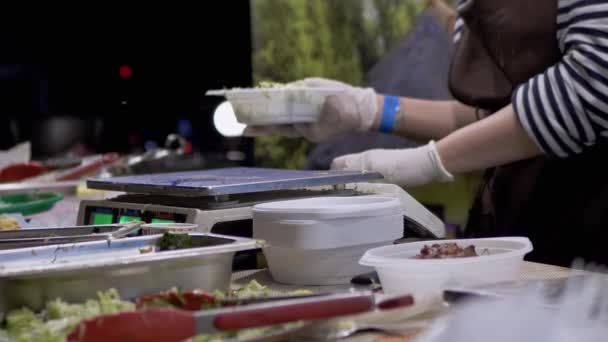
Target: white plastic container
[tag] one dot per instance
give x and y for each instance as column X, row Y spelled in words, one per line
column 400, row 273
column 281, row 105
column 319, row 241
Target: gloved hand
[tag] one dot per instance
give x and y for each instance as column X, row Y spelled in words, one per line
column 407, row 167
column 352, row 108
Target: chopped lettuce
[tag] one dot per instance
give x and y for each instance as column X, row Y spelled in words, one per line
column 253, row 289
column 300, row 293
column 270, row 84
column 245, row 333
column 59, row 318
column 214, row 337
column 110, row 302
column 8, row 223
column 147, row 249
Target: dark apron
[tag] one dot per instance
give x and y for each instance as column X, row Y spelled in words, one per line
column 560, row 204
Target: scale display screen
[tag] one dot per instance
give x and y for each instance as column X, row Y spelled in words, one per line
column 127, row 218
column 102, row 218
column 160, row 220
column 129, row 215
column 106, row 215
column 163, row 218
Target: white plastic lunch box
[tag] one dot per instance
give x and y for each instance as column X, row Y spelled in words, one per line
column 498, row 260
column 319, row 241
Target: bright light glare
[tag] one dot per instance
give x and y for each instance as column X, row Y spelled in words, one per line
column 225, row 122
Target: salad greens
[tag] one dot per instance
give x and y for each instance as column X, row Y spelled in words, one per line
column 172, row 241
column 270, row 84
column 59, row 318
column 253, row 289
column 245, row 333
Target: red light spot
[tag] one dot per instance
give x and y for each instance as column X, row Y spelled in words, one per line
column 188, row 147
column 125, row 71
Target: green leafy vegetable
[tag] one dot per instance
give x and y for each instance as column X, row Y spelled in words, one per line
column 270, row 84
column 59, row 318
column 300, row 293
column 245, row 333
column 147, row 249
column 253, row 289
column 172, row 241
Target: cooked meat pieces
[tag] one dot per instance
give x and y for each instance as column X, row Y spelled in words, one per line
column 446, row 250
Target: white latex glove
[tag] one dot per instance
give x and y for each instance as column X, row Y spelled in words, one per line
column 407, row 167
column 352, row 108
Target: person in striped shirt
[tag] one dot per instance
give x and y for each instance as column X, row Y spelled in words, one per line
column 530, row 82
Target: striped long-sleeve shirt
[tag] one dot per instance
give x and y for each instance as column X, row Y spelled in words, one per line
column 565, row 109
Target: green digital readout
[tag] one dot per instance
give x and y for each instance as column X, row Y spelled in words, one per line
column 127, row 218
column 102, row 218
column 159, row 220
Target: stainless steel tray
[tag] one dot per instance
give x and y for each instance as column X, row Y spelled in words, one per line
column 228, row 181
column 32, row 237
column 76, row 272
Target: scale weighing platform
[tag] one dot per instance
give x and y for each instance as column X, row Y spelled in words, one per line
column 220, row 200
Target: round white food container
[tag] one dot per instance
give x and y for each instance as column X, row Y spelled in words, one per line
column 282, row 105
column 400, row 273
column 318, row 241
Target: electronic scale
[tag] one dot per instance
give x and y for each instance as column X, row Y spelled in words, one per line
column 220, row 200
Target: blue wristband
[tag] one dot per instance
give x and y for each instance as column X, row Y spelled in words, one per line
column 389, row 113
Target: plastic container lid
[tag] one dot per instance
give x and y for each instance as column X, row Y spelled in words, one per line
column 323, row 208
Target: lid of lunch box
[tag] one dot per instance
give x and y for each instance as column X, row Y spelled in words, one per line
column 319, row 208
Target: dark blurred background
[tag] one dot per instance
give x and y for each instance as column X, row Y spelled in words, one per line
column 122, row 78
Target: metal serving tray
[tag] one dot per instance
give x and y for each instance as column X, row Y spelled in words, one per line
column 31, row 237
column 228, row 181
column 76, row 272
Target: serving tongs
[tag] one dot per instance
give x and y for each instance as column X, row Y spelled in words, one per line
column 64, row 235
column 171, row 324
column 126, row 230
column 197, row 300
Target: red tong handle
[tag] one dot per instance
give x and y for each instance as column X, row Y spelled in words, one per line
column 17, row 172
column 271, row 315
column 135, row 326
column 88, row 167
column 177, row 325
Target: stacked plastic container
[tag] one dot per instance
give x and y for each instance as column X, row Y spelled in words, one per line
column 280, row 105
column 319, row 241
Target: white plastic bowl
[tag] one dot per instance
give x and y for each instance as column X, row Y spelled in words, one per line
column 281, row 105
column 400, row 273
column 319, row 241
